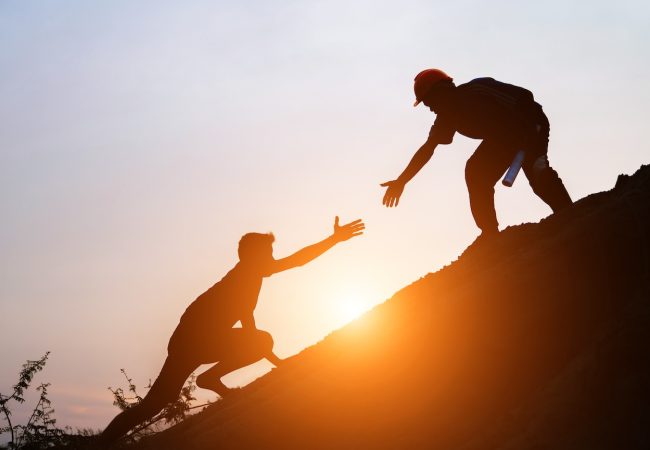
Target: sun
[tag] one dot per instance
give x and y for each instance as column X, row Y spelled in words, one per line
column 351, row 306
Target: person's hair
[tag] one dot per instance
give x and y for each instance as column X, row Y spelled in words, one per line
column 250, row 244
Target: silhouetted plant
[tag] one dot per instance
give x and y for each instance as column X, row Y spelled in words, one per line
column 40, row 430
column 172, row 414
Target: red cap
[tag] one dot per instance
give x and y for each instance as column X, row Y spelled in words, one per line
column 425, row 80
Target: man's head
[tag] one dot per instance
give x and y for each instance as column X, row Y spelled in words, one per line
column 432, row 86
column 256, row 247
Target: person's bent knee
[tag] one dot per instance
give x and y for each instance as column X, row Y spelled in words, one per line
column 265, row 340
column 536, row 168
column 471, row 171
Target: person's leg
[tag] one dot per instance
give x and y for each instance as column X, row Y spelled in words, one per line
column 165, row 389
column 543, row 179
column 482, row 172
column 240, row 348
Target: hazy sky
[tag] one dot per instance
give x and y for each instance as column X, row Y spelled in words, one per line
column 140, row 139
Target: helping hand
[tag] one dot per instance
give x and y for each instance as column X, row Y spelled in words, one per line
column 393, row 193
column 347, row 231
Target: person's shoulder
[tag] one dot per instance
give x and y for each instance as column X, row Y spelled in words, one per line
column 477, row 86
column 245, row 273
column 481, row 81
column 225, row 280
column 489, row 87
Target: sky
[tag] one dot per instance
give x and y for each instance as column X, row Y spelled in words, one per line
column 140, row 139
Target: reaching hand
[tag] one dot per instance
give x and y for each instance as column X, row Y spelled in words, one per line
column 393, row 193
column 347, row 231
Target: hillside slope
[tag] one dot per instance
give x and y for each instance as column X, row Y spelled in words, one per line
column 536, row 339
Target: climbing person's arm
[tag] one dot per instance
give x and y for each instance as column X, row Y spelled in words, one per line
column 420, row 158
column 301, row 257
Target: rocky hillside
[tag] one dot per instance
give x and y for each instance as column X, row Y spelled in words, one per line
column 537, row 339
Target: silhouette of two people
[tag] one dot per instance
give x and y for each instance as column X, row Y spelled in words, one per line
column 504, row 116
column 205, row 333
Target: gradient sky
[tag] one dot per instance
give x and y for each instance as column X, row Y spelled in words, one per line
column 140, row 139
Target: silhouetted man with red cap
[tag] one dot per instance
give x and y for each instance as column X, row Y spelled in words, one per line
column 205, row 333
column 507, row 119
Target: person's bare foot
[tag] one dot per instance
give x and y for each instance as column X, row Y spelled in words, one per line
column 215, row 385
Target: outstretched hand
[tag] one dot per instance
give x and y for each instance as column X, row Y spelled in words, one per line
column 393, row 193
column 347, row 231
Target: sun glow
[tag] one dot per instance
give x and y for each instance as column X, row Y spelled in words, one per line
column 352, row 305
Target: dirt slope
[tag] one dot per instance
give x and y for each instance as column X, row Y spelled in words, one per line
column 537, row 339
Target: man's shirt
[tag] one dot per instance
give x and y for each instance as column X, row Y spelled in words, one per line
column 485, row 108
column 219, row 308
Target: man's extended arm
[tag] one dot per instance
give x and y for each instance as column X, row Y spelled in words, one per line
column 311, row 252
column 420, row 158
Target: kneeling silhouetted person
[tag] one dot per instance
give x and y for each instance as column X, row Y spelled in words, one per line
column 205, row 333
